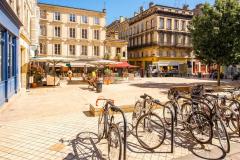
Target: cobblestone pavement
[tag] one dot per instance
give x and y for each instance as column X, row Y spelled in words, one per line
column 53, row 124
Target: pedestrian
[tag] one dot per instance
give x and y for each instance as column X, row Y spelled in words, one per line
column 69, row 74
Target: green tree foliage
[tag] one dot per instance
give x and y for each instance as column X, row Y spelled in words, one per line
column 215, row 33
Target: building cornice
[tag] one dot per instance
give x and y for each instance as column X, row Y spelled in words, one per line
column 160, row 10
column 68, row 7
column 10, row 13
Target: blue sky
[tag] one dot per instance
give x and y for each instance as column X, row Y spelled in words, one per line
column 117, row 8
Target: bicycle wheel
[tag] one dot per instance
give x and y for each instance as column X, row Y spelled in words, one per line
column 136, row 113
column 186, row 109
column 169, row 112
column 114, row 143
column 230, row 118
column 200, row 127
column 101, row 125
column 150, row 131
column 222, row 134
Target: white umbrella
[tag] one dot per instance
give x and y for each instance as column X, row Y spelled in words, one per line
column 103, row 62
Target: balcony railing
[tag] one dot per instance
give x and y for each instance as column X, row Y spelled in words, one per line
column 161, row 44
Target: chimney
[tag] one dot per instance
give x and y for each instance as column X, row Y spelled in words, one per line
column 135, row 13
column 151, row 4
column 141, row 9
column 185, row 7
column 121, row 19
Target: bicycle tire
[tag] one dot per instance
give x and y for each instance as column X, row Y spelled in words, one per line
column 136, row 112
column 101, row 125
column 210, row 131
column 167, row 110
column 160, row 134
column 230, row 118
column 113, row 129
column 226, row 147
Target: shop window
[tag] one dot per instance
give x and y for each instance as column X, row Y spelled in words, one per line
column 1, row 51
column 10, row 56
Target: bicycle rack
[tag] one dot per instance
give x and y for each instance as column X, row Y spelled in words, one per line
column 117, row 109
column 171, row 132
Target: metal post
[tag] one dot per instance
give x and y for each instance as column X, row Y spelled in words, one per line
column 124, row 135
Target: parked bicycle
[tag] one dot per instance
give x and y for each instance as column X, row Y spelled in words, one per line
column 150, row 129
column 190, row 115
column 109, row 130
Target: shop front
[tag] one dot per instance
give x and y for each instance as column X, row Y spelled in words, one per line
column 9, row 48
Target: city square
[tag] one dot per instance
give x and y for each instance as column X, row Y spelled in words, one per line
column 96, row 80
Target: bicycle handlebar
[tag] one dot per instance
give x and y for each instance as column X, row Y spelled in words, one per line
column 104, row 99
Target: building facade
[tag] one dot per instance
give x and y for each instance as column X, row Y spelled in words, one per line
column 158, row 35
column 115, row 48
column 28, row 13
column 9, row 51
column 71, row 32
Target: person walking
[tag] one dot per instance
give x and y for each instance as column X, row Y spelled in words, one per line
column 69, row 74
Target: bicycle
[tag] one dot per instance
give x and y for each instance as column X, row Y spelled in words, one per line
column 109, row 130
column 191, row 116
column 217, row 115
column 150, row 129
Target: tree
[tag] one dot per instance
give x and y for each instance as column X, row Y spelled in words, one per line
column 215, row 33
column 106, row 56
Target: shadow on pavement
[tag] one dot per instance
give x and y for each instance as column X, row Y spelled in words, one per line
column 84, row 147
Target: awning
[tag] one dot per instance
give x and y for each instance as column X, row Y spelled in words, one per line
column 122, row 65
column 162, row 64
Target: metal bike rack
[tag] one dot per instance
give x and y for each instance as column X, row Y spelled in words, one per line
column 172, row 131
column 117, row 109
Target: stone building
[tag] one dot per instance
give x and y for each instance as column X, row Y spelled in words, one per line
column 158, row 35
column 28, row 13
column 71, row 32
column 115, row 47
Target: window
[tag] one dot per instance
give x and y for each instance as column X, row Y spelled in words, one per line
column 57, row 49
column 84, row 19
column 1, row 51
column 43, row 14
column 43, row 30
column 183, row 25
column 57, row 16
column 72, row 32
column 72, row 18
column 85, row 50
column 169, row 39
column 42, row 48
column 96, row 34
column 96, row 20
column 124, row 54
column 142, row 27
column 161, row 23
column 161, row 37
column 72, row 49
column 152, row 23
column 84, row 33
column 169, row 24
column 10, row 56
column 118, row 50
column 176, row 25
column 57, row 32
column 96, row 50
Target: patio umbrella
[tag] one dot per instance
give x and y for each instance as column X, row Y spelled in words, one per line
column 103, row 62
column 122, row 65
column 52, row 59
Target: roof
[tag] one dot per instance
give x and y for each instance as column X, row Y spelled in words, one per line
column 70, row 7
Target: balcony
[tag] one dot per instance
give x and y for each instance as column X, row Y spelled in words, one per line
column 161, row 44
